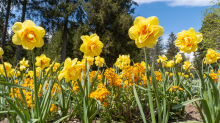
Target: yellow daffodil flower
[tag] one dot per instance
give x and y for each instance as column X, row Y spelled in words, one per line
column 91, row 46
column 187, row 40
column 31, row 74
column 44, row 59
column 170, row 63
column 28, row 35
column 187, row 65
column 7, row 67
column 143, row 64
column 23, row 64
column 99, row 61
column 1, row 51
column 186, row 76
column 122, row 61
column 178, row 58
column 90, row 60
column 145, row 32
column 55, row 67
column 162, row 58
column 212, row 56
column 71, row 70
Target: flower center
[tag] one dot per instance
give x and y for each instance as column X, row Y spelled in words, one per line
column 30, row 36
column 212, row 55
column 144, row 33
column 187, row 41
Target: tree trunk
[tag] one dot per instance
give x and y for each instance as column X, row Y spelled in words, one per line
column 65, row 36
column 19, row 48
column 5, row 24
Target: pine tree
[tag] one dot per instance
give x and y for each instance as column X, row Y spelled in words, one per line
column 172, row 50
column 62, row 15
column 157, row 50
column 5, row 24
column 19, row 47
column 111, row 20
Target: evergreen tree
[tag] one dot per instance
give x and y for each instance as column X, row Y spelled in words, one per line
column 172, row 50
column 19, row 47
column 157, row 50
column 210, row 31
column 111, row 20
column 63, row 15
column 5, row 24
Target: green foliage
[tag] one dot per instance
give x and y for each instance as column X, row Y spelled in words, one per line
column 157, row 50
column 111, row 20
column 210, row 30
column 172, row 50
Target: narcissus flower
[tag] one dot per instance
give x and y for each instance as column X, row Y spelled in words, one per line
column 163, row 60
column 71, row 70
column 145, row 32
column 170, row 63
column 178, row 58
column 122, row 61
column 1, row 51
column 186, row 76
column 187, row 65
column 99, row 61
column 214, row 76
column 23, row 64
column 7, row 67
column 13, row 72
column 89, row 59
column 44, row 59
column 212, row 56
column 55, row 67
column 187, row 40
column 143, row 64
column 91, row 46
column 31, row 74
column 28, row 35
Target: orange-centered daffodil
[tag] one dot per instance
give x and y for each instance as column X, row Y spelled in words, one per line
column 28, row 35
column 187, row 40
column 91, row 46
column 145, row 32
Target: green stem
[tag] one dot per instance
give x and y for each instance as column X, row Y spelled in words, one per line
column 35, row 88
column 149, row 88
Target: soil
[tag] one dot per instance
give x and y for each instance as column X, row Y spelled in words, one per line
column 192, row 113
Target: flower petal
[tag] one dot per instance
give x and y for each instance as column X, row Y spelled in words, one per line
column 138, row 19
column 16, row 39
column 199, row 37
column 153, row 20
column 40, row 43
column 27, row 45
column 41, row 30
column 28, row 23
column 133, row 32
column 191, row 30
column 17, row 27
column 85, row 38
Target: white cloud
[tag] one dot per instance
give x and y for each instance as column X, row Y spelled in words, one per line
column 190, row 56
column 179, row 2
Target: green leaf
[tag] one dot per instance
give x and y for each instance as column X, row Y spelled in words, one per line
column 188, row 122
column 187, row 102
column 11, row 111
column 14, row 85
column 63, row 118
column 139, row 104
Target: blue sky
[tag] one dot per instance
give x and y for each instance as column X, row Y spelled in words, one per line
column 174, row 15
